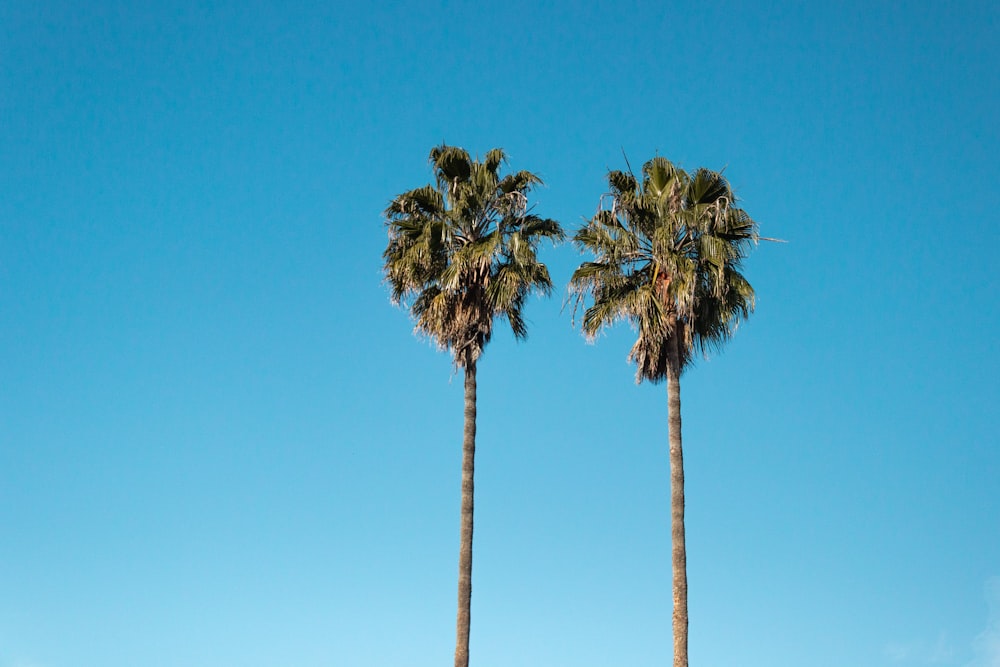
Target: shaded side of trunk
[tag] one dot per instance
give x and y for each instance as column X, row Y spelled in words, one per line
column 679, row 549
column 465, row 531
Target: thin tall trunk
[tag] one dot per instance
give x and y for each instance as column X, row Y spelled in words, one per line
column 679, row 551
column 465, row 532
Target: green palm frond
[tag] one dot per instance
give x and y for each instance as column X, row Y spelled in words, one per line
column 451, row 165
column 533, row 229
column 707, row 187
column 422, row 201
column 520, row 182
column 494, row 158
column 622, row 182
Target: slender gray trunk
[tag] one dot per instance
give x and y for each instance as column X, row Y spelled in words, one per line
column 465, row 532
column 679, row 551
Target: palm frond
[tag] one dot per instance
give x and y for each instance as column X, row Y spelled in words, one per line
column 494, row 158
column 622, row 182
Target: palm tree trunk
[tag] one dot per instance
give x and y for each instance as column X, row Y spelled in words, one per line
column 679, row 551
column 465, row 532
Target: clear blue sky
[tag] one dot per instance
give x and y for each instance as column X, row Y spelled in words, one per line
column 221, row 445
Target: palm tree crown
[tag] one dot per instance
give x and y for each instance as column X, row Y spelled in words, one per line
column 668, row 256
column 464, row 252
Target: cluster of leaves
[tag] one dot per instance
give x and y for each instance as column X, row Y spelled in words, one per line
column 668, row 253
column 465, row 252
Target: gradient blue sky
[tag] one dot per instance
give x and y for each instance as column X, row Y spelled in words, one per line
column 220, row 444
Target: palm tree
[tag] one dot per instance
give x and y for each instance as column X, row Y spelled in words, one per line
column 668, row 256
column 461, row 254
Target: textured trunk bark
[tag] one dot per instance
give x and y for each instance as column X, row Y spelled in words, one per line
column 465, row 532
column 679, row 550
